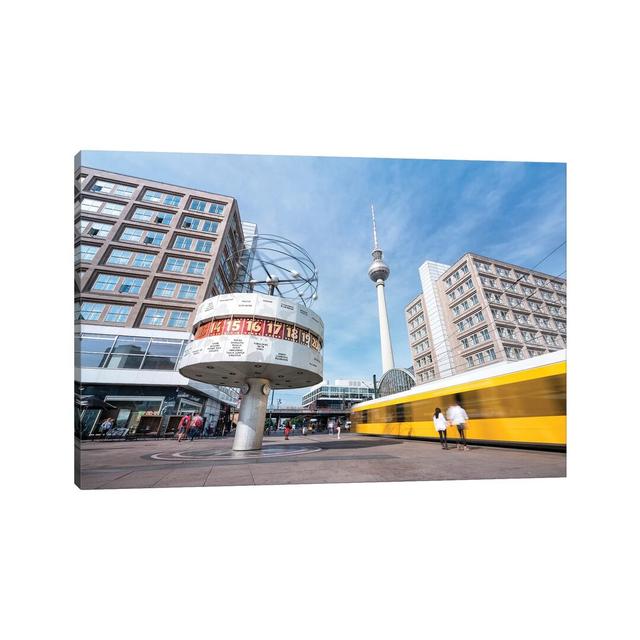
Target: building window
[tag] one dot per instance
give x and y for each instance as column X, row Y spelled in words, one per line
column 127, row 353
column 131, row 286
column 162, row 354
column 154, row 317
column 196, row 267
column 540, row 282
column 142, row 260
column 99, row 206
column 117, row 314
column 174, row 264
column 197, row 205
column 95, row 229
column 154, row 238
column 105, row 282
column 503, row 272
column 112, row 209
column 188, row 291
column 216, row 209
column 91, row 311
column 102, row 186
column 165, row 289
column 498, row 314
column 94, row 349
column 152, row 196
column 203, row 246
column 183, row 242
column 157, row 197
column 89, row 205
column 124, row 191
column 210, row 226
column 191, row 223
column 86, row 252
column 513, row 353
column 119, row 257
column 483, row 266
column 506, row 333
column 131, row 234
column 178, row 319
column 535, row 306
column 149, row 215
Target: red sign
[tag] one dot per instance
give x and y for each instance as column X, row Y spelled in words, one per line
column 243, row 326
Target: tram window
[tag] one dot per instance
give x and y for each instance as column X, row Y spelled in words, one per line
column 364, row 417
column 400, row 413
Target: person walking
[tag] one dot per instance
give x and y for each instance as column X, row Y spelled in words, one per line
column 194, row 427
column 287, row 429
column 330, row 426
column 457, row 416
column 338, row 429
column 440, row 423
column 183, row 427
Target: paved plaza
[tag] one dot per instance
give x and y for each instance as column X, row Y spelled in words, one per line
column 302, row 460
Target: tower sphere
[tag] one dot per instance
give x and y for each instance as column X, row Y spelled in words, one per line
column 378, row 270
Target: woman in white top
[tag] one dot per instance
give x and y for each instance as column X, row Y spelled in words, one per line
column 440, row 423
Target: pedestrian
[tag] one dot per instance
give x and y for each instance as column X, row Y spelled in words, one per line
column 287, row 429
column 440, row 423
column 196, row 423
column 304, row 428
column 338, row 428
column 458, row 417
column 183, row 427
column 106, row 426
column 330, row 426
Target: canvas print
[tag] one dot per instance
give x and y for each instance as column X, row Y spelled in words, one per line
column 253, row 320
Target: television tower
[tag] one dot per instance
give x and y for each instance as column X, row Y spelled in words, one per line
column 379, row 272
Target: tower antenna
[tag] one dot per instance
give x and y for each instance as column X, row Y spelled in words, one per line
column 375, row 235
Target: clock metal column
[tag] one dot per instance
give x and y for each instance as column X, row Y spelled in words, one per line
column 253, row 410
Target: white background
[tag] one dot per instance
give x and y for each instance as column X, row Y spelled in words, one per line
column 551, row 81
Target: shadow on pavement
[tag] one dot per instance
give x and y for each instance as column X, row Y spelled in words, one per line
column 355, row 444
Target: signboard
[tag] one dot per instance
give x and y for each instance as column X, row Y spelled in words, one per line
column 251, row 326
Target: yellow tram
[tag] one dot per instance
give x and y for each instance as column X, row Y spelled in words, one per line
column 519, row 403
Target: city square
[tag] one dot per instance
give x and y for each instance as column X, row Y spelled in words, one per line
column 317, row 458
column 194, row 323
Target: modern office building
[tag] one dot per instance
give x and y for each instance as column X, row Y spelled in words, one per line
column 481, row 310
column 339, row 396
column 147, row 254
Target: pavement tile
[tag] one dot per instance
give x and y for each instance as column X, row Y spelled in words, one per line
column 354, row 458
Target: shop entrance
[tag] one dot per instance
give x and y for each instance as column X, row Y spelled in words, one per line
column 132, row 409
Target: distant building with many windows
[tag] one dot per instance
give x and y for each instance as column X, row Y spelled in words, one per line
column 147, row 254
column 479, row 311
column 339, row 396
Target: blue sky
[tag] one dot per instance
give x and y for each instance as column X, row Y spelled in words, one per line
column 425, row 210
